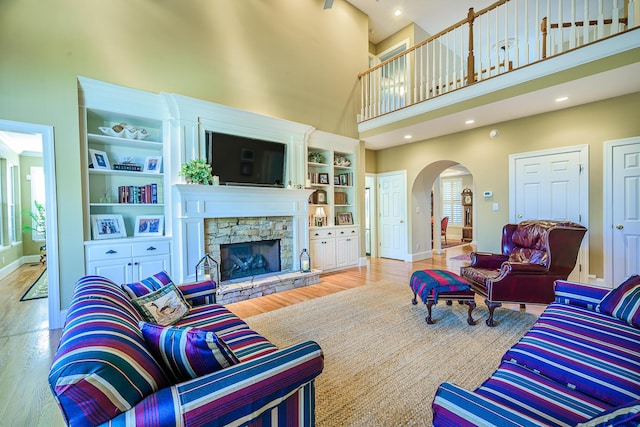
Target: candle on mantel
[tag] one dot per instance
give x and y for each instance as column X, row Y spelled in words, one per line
column 307, row 183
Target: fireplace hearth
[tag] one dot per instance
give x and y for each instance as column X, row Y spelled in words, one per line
column 239, row 260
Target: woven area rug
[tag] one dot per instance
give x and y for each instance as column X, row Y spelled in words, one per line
column 383, row 363
column 463, row 257
column 39, row 288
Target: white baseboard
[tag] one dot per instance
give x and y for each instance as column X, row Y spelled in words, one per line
column 419, row 256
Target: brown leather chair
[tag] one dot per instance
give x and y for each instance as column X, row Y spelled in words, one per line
column 534, row 255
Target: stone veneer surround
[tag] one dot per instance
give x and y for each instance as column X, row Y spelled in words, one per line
column 219, row 231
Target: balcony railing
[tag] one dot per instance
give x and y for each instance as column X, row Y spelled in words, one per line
column 503, row 37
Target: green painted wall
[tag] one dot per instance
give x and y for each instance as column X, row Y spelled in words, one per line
column 488, row 160
column 283, row 58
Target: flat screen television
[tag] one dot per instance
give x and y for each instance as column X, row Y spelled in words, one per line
column 238, row 160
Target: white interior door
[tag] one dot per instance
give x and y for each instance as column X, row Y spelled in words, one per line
column 551, row 185
column 624, row 190
column 392, row 208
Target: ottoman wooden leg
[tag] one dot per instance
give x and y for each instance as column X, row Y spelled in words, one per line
column 472, row 306
column 414, row 301
column 428, row 319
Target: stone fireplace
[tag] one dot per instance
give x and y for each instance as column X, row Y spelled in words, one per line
column 207, row 217
column 252, row 246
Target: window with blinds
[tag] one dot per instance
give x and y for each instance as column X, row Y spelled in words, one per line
column 451, row 191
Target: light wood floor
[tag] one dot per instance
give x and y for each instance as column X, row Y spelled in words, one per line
column 27, row 345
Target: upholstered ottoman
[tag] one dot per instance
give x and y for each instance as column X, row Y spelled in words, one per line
column 431, row 285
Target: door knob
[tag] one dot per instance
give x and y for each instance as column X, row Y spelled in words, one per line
column 519, row 215
column 401, row 221
column 619, row 226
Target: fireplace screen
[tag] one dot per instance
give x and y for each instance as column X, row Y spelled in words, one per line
column 246, row 259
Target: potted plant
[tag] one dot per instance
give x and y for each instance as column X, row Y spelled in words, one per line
column 38, row 217
column 197, row 172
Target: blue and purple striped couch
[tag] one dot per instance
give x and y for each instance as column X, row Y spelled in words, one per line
column 574, row 367
column 103, row 374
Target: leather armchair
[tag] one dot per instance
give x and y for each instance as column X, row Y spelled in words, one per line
column 534, row 255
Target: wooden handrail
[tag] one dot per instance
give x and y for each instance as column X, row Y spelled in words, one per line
column 593, row 22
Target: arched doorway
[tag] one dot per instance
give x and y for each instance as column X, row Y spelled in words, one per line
column 430, row 203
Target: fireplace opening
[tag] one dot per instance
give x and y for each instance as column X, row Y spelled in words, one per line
column 238, row 260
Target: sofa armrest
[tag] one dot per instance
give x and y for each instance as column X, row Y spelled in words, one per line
column 487, row 260
column 578, row 294
column 199, row 293
column 455, row 406
column 238, row 393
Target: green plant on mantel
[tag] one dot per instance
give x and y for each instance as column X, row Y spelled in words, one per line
column 197, row 172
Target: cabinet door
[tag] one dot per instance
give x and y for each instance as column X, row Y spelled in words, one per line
column 117, row 270
column 323, row 253
column 346, row 251
column 144, row 267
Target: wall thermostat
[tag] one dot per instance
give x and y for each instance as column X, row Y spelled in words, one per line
column 488, row 194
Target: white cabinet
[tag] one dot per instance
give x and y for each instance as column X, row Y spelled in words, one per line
column 323, row 249
column 347, row 247
column 128, row 262
column 333, row 248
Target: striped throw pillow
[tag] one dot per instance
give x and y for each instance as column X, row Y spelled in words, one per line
column 628, row 415
column 187, row 352
column 165, row 306
column 623, row 302
column 146, row 286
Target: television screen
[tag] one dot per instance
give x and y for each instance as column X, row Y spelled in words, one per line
column 245, row 161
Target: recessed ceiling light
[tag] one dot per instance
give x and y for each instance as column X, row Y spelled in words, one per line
column 397, row 12
column 407, row 137
column 470, row 122
column 562, row 98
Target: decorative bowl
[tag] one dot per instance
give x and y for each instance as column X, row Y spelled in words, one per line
column 110, row 132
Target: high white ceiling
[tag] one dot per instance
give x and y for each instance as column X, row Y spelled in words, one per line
column 431, row 15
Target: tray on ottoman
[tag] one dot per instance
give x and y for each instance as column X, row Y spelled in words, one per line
column 431, row 285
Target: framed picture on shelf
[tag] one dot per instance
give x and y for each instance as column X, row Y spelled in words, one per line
column 323, row 178
column 345, row 218
column 343, row 179
column 149, row 225
column 152, row 164
column 99, row 159
column 320, row 197
column 108, row 226
column 336, row 180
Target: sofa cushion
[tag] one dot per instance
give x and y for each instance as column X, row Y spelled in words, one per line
column 146, row 286
column 186, row 352
column 102, row 366
column 245, row 343
column 627, row 415
column 623, row 302
column 164, row 306
column 538, row 397
column 591, row 352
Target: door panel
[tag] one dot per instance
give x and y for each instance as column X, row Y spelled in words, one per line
column 392, row 210
column 626, row 211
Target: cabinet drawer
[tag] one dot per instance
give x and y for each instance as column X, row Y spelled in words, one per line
column 322, row 234
column 151, row 248
column 102, row 252
column 347, row 231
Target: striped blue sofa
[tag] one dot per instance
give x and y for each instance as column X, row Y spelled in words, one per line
column 575, row 367
column 103, row 373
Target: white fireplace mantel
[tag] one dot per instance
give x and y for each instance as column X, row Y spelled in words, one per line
column 194, row 203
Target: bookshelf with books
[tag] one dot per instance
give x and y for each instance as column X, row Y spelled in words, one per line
column 123, row 135
column 333, row 214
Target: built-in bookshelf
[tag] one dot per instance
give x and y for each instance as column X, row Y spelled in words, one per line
column 123, row 135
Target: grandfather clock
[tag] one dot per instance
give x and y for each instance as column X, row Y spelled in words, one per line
column 467, row 212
